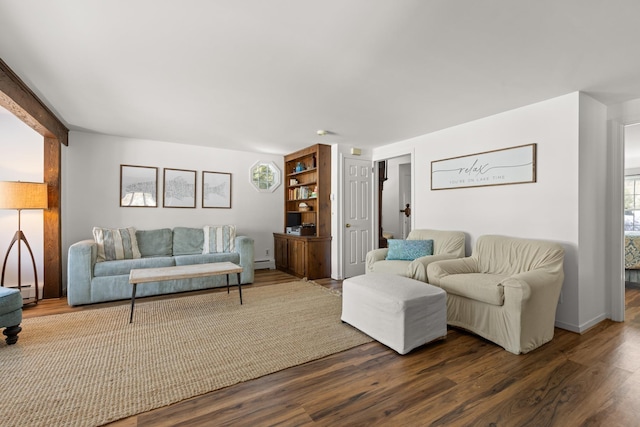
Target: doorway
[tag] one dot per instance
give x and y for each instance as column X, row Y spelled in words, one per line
column 631, row 200
column 395, row 204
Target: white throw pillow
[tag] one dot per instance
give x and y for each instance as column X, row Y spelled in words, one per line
column 219, row 238
column 116, row 243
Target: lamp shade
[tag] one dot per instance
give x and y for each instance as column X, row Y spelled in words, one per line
column 23, row 195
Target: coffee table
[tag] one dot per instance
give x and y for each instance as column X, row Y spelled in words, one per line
column 146, row 275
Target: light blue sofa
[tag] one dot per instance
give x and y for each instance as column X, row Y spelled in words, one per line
column 89, row 281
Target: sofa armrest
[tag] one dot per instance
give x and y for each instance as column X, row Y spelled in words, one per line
column 436, row 271
column 245, row 247
column 417, row 269
column 82, row 257
column 374, row 256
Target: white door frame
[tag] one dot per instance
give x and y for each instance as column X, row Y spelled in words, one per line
column 615, row 221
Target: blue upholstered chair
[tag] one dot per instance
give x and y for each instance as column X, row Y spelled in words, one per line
column 10, row 313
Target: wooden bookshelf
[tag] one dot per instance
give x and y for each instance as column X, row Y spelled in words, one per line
column 307, row 180
column 311, row 185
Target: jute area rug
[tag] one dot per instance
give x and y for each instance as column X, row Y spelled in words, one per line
column 93, row 367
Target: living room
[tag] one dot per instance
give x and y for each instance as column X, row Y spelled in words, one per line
column 578, row 168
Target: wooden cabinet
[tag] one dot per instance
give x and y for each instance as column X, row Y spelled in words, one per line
column 307, row 201
column 303, row 256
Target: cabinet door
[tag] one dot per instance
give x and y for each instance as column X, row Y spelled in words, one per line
column 281, row 253
column 318, row 259
column 297, row 257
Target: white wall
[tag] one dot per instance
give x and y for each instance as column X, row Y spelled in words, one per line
column 91, row 185
column 21, row 159
column 547, row 209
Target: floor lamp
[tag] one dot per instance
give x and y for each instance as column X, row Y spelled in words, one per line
column 22, row 195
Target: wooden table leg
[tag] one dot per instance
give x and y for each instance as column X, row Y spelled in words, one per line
column 133, row 301
column 239, row 287
column 227, row 284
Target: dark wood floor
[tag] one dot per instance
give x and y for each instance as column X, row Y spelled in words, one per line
column 591, row 379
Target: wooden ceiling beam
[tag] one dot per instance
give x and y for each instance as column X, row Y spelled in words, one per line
column 18, row 99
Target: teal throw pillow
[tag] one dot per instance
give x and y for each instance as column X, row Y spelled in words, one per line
column 408, row 250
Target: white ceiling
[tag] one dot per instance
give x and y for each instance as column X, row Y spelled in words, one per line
column 264, row 75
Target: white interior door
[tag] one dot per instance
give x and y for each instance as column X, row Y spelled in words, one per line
column 358, row 220
column 405, row 199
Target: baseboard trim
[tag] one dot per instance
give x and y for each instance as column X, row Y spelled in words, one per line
column 583, row 327
column 264, row 264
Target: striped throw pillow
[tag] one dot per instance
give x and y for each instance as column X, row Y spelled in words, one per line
column 219, row 238
column 116, row 243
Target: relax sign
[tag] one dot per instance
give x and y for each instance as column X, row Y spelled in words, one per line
column 513, row 165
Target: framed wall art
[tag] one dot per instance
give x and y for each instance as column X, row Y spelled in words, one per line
column 513, row 165
column 179, row 188
column 216, row 190
column 138, row 186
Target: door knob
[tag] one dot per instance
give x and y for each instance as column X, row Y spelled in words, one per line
column 407, row 210
column 348, row 225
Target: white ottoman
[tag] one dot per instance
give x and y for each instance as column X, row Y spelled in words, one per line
column 399, row 312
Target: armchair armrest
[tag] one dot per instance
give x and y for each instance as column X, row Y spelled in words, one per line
column 537, row 290
column 533, row 296
column 535, row 282
column 417, row 269
column 374, row 256
column 436, row 271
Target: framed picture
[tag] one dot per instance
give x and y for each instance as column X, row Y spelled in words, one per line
column 216, row 190
column 179, row 188
column 514, row 165
column 138, row 186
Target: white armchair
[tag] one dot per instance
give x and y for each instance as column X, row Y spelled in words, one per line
column 507, row 291
column 446, row 245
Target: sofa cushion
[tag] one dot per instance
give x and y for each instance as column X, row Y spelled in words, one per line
column 155, row 242
column 187, row 241
column 207, row 258
column 115, row 268
column 219, row 238
column 116, row 243
column 409, row 250
column 482, row 287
